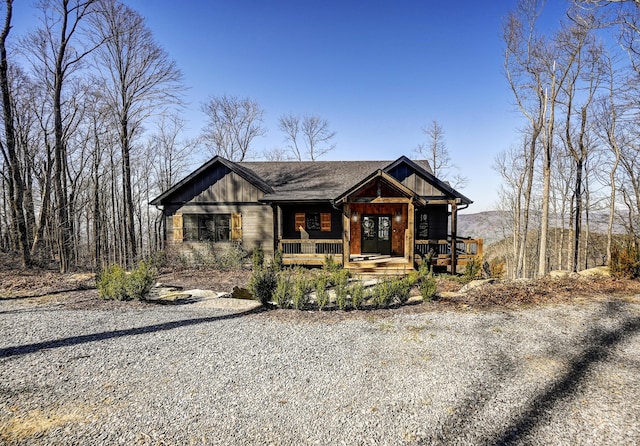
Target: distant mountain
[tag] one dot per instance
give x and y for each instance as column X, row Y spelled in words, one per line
column 492, row 225
column 488, row 225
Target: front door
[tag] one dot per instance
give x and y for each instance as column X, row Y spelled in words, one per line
column 376, row 234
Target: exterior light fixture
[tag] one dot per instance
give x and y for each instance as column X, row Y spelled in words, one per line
column 355, row 216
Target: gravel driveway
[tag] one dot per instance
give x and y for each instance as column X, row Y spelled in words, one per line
column 161, row 375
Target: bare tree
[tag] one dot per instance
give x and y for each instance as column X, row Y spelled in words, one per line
column 9, row 152
column 141, row 80
column 57, row 50
column 525, row 75
column 308, row 137
column 582, row 82
column 232, row 126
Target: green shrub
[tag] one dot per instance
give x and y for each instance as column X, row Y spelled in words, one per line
column 114, row 283
column 625, row 262
column 339, row 277
column 330, row 265
column 402, row 289
column 262, row 285
column 322, row 295
column 140, row 281
column 111, row 283
column 277, row 260
column 472, row 268
column 341, row 296
column 428, row 287
column 383, row 294
column 357, row 293
column 300, row 292
column 257, row 258
column 282, row 293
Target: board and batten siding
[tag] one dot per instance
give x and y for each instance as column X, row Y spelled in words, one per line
column 230, row 188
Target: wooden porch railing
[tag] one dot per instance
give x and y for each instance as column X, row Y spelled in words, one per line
column 466, row 249
column 310, row 252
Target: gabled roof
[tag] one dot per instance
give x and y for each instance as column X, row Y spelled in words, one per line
column 300, row 181
column 310, row 180
column 385, row 177
column 429, row 177
column 206, row 167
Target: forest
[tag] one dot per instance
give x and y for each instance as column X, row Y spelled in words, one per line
column 576, row 87
column 92, row 131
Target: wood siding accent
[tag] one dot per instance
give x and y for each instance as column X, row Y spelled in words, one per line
column 177, row 228
column 236, row 227
column 300, row 222
column 325, row 222
column 397, row 228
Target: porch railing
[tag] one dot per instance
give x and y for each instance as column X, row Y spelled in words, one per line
column 441, row 250
column 311, row 247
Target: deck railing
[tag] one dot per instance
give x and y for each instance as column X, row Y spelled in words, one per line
column 440, row 250
column 320, row 247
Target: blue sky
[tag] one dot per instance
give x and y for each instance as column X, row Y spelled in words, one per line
column 377, row 70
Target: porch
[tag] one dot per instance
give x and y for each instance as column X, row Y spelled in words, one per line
column 310, row 252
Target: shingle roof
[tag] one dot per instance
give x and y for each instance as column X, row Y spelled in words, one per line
column 307, row 180
column 311, row 180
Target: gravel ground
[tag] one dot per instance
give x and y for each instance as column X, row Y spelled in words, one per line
column 158, row 375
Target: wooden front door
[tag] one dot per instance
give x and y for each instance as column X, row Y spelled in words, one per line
column 376, row 234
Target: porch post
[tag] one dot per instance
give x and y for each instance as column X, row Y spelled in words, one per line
column 454, row 231
column 279, row 225
column 346, row 234
column 411, row 232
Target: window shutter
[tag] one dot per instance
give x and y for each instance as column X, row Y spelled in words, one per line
column 300, row 222
column 178, row 231
column 325, row 222
column 236, row 227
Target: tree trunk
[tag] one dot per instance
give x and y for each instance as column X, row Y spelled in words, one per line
column 17, row 186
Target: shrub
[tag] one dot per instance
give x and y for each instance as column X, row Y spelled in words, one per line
column 262, row 285
column 625, row 262
column 341, row 296
column 322, row 295
column 300, row 292
column 114, row 283
column 277, row 260
column 111, row 283
column 383, row 294
column 231, row 258
column 339, row 277
column 330, row 265
column 257, row 258
column 402, row 289
column 428, row 287
column 472, row 268
column 356, row 291
column 282, row 293
column 139, row 282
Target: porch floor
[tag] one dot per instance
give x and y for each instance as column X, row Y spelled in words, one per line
column 375, row 264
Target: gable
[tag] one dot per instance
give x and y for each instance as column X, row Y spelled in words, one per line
column 409, row 178
column 217, row 181
column 224, row 186
column 421, row 181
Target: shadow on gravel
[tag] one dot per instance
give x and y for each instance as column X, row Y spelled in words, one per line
column 597, row 347
column 75, row 340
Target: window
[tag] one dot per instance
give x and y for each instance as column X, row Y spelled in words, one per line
column 313, row 221
column 207, row 227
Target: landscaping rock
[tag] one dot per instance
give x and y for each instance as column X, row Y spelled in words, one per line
column 476, row 284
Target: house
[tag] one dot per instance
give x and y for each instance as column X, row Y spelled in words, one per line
column 371, row 216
